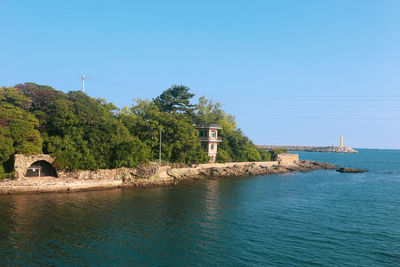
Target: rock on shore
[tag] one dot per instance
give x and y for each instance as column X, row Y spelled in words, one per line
column 350, row 170
column 240, row 169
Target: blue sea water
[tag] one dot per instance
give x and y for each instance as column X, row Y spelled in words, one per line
column 320, row 218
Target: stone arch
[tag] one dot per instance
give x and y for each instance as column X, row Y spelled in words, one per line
column 41, row 168
column 22, row 163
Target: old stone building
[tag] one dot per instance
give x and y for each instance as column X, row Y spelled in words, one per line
column 287, row 159
column 34, row 166
column 209, row 139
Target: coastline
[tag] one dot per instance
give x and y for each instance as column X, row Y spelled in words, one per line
column 151, row 175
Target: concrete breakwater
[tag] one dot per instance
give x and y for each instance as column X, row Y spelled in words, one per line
column 151, row 175
column 334, row 149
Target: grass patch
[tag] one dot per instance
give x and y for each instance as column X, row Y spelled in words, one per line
column 6, row 175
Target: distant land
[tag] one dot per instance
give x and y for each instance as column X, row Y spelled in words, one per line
column 334, row 149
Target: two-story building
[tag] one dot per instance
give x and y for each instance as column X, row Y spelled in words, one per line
column 209, row 139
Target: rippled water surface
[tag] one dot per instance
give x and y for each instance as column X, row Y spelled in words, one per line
column 317, row 218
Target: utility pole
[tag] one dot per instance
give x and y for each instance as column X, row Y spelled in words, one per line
column 159, row 153
column 83, row 83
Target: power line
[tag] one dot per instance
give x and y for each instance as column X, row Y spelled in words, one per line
column 315, row 96
column 290, row 105
column 301, row 101
column 113, row 83
column 324, row 117
column 261, row 97
column 291, row 97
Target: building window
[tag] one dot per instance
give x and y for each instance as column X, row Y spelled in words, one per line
column 212, row 146
column 204, row 146
column 213, row 134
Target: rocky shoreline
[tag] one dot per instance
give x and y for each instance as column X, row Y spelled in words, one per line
column 151, row 175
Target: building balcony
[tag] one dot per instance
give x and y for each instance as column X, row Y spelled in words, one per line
column 208, row 126
column 210, row 139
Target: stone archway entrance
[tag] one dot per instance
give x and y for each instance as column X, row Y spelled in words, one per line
column 41, row 168
column 34, row 166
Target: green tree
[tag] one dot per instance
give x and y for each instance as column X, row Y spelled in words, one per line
column 84, row 133
column 235, row 144
column 265, row 156
column 275, row 152
column 143, row 121
column 175, row 100
column 208, row 111
column 180, row 142
column 18, row 127
column 6, row 148
column 222, row 156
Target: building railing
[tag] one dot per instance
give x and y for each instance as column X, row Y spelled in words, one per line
column 208, row 125
column 210, row 139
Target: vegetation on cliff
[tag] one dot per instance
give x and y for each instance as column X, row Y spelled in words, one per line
column 87, row 133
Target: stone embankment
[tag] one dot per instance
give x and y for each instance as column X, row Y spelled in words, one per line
column 152, row 175
column 334, row 149
column 244, row 169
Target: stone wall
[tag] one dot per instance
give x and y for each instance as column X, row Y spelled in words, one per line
column 22, row 163
column 152, row 171
column 143, row 171
column 287, row 158
column 221, row 170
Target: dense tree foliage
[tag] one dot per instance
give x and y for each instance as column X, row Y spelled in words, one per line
column 235, row 145
column 275, row 152
column 18, row 127
column 82, row 132
column 175, row 99
column 180, row 142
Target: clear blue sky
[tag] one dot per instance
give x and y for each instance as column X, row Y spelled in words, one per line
column 292, row 72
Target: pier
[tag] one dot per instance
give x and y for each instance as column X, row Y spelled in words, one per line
column 334, row 149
